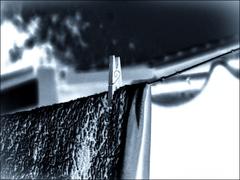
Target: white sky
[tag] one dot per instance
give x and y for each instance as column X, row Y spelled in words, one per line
column 11, row 36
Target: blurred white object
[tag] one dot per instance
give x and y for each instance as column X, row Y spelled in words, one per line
column 47, row 91
column 199, row 139
column 234, row 63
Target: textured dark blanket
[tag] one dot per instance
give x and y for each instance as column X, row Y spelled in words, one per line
column 78, row 139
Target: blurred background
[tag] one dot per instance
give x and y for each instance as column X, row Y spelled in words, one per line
column 56, row 51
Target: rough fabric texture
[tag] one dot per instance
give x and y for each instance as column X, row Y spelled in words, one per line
column 78, row 139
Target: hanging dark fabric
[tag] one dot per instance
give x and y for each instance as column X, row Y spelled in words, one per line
column 80, row 138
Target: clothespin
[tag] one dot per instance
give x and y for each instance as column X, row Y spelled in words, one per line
column 115, row 77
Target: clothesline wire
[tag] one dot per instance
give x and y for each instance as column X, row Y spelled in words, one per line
column 217, row 58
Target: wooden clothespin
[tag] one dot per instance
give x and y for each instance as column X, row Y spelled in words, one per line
column 115, row 77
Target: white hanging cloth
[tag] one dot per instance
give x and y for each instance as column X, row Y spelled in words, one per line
column 200, row 138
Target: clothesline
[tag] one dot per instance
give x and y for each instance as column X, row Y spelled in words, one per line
column 193, row 62
column 115, row 73
column 218, row 58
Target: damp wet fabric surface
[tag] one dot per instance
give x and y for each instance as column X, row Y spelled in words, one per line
column 82, row 138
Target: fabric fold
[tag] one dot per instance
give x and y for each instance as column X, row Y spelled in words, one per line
column 137, row 146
